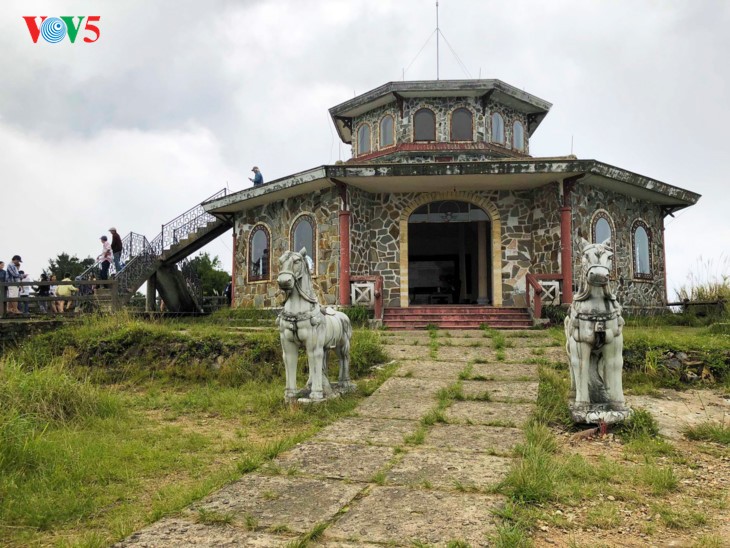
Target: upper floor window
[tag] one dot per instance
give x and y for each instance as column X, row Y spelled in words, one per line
column 518, row 136
column 461, row 125
column 302, row 236
column 363, row 139
column 387, row 137
column 602, row 229
column 424, row 125
column 497, row 128
column 641, row 239
column 259, row 260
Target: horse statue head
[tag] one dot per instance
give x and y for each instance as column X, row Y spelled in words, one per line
column 294, row 275
column 596, row 265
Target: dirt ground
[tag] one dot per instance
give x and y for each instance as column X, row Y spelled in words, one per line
column 696, row 514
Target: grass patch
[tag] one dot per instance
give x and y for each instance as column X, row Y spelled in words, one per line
column 709, row 431
column 113, row 423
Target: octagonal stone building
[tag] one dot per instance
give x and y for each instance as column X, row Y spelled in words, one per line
column 441, row 205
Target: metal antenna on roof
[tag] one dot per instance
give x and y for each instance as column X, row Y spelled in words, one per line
column 437, row 40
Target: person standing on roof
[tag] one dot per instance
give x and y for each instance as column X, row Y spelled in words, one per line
column 257, row 178
column 116, row 249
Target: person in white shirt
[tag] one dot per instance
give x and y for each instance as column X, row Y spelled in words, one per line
column 105, row 259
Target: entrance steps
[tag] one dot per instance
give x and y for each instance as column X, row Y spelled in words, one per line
column 456, row 317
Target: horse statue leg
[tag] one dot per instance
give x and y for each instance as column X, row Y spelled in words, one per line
column 342, row 349
column 291, row 355
column 316, row 359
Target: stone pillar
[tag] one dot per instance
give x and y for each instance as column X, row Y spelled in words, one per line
column 344, row 258
column 566, row 254
column 233, row 268
column 150, row 302
column 482, row 297
column 462, row 264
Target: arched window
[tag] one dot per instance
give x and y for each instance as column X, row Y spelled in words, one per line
column 259, row 256
column 363, row 139
column 461, row 125
column 424, row 125
column 602, row 228
column 497, row 128
column 518, row 136
column 387, row 138
column 641, row 240
column 303, row 236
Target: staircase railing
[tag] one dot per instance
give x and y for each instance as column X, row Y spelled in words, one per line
column 533, row 284
column 139, row 255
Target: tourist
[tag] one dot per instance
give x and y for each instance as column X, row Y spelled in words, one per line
column 52, row 289
column 228, row 292
column 257, row 179
column 24, row 292
column 66, row 290
column 117, row 248
column 43, row 290
column 3, row 279
column 105, row 259
column 13, row 276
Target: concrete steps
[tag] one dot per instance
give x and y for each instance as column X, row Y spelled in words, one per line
column 456, row 317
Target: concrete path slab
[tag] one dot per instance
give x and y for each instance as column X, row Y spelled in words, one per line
column 449, row 470
column 293, row 502
column 181, row 532
column 366, row 430
column 486, row 439
column 336, row 460
column 409, row 352
column 464, row 354
column 400, row 514
column 505, row 371
column 502, row 391
column 431, row 370
column 490, row 413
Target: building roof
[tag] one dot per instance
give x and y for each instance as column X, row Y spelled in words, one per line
column 533, row 106
column 511, row 174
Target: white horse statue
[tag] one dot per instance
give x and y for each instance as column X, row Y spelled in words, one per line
column 303, row 322
column 594, row 335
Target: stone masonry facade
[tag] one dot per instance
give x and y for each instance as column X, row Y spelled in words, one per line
column 529, row 239
column 479, row 149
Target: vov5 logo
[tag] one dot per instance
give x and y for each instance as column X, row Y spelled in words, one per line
column 55, row 29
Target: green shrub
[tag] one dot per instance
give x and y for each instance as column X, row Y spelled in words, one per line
column 640, row 425
column 555, row 313
column 359, row 315
column 366, row 350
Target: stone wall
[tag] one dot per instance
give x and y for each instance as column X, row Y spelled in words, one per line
column 545, row 228
column 623, row 211
column 442, row 108
column 278, row 217
column 12, row 332
column 517, row 211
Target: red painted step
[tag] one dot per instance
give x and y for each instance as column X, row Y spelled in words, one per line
column 456, row 317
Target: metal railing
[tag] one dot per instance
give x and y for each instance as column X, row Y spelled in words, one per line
column 85, row 296
column 139, row 255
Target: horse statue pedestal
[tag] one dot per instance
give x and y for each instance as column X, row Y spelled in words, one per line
column 304, row 323
column 594, row 342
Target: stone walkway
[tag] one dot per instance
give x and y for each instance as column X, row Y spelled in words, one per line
column 417, row 463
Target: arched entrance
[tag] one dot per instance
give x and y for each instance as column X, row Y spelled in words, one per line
column 450, row 251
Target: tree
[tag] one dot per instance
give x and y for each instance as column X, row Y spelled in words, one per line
column 65, row 264
column 212, row 278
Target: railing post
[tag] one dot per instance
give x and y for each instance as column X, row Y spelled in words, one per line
column 2, row 300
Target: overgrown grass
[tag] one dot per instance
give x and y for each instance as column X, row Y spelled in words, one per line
column 117, row 422
column 709, row 431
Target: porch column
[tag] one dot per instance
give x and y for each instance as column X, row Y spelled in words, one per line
column 151, row 301
column 566, row 254
column 344, row 257
column 462, row 265
column 482, row 297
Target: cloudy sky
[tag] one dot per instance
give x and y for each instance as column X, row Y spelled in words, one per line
column 178, row 99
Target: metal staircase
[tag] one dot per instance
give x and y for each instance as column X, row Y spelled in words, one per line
column 166, row 258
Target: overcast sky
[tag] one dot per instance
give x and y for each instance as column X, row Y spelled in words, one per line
column 178, row 99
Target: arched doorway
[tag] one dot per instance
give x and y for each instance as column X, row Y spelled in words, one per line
column 448, row 254
column 479, row 276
